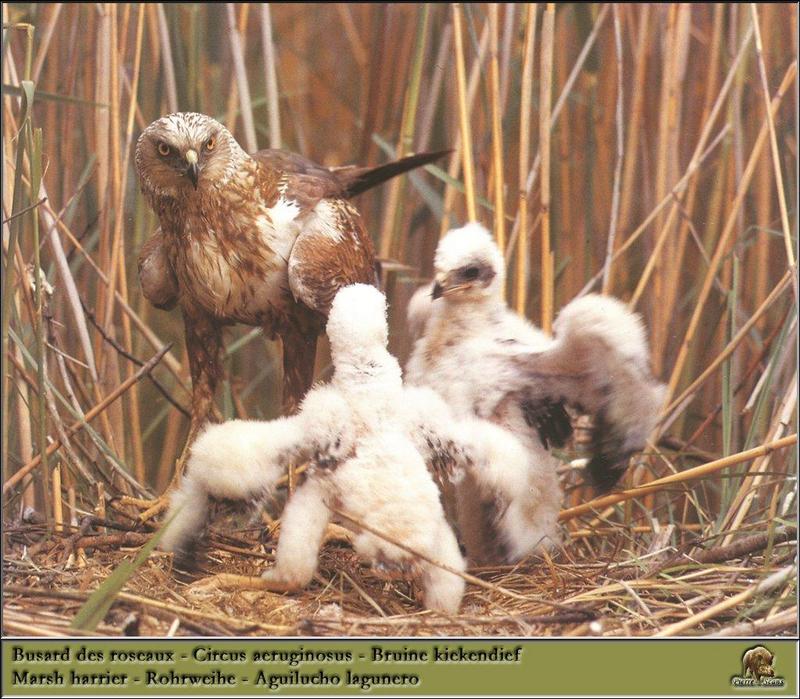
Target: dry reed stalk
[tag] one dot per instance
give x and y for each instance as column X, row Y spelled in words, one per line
column 497, row 133
column 731, row 346
column 55, row 223
column 133, row 396
column 676, row 51
column 394, row 209
column 463, row 114
column 170, row 449
column 100, row 507
column 750, row 484
column 525, row 109
column 356, row 45
column 88, row 417
column 25, row 444
column 773, row 143
column 545, row 96
column 431, row 102
column 765, row 586
column 168, row 65
column 562, row 99
column 111, row 424
column 669, row 198
column 612, row 227
column 44, row 42
column 456, row 159
column 681, row 477
column 709, row 122
column 636, row 119
column 245, row 103
column 58, row 510
column 715, row 50
column 725, row 235
column 270, row 63
column 770, row 626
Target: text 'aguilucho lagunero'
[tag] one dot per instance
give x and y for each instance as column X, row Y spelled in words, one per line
column 264, row 668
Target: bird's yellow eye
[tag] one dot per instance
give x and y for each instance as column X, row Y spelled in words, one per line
column 163, row 148
column 210, row 143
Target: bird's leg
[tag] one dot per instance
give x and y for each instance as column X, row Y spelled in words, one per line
column 204, row 347
column 299, row 351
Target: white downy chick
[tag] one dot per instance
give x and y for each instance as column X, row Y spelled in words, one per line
column 367, row 459
column 488, row 362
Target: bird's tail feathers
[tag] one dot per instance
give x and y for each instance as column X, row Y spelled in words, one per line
column 356, row 180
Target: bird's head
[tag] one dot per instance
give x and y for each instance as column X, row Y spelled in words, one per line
column 357, row 326
column 468, row 266
column 179, row 153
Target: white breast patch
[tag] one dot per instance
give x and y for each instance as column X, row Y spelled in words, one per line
column 283, row 213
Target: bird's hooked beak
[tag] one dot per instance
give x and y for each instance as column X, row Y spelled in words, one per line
column 447, row 286
column 192, row 171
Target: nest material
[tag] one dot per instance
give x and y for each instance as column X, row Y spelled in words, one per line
column 610, row 581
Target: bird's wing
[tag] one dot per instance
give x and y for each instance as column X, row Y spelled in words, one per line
column 346, row 181
column 333, row 250
column 598, row 364
column 442, row 440
column 156, row 276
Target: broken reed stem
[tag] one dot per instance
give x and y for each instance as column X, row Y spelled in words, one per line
column 463, row 113
column 681, row 477
column 525, row 110
column 497, row 132
column 90, row 415
column 612, row 227
column 545, row 96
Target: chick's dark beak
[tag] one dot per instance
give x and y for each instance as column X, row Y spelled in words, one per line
column 437, row 291
column 192, row 173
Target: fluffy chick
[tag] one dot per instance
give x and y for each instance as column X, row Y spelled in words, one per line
column 488, row 362
column 367, row 441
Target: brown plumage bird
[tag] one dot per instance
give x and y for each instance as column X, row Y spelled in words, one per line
column 265, row 239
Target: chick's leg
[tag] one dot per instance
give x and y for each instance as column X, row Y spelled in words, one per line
column 303, row 526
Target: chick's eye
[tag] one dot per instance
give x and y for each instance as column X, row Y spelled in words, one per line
column 210, row 143
column 471, row 273
column 163, row 149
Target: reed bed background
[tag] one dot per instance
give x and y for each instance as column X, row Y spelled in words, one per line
column 645, row 151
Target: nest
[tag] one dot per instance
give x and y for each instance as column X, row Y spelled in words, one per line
column 612, row 580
